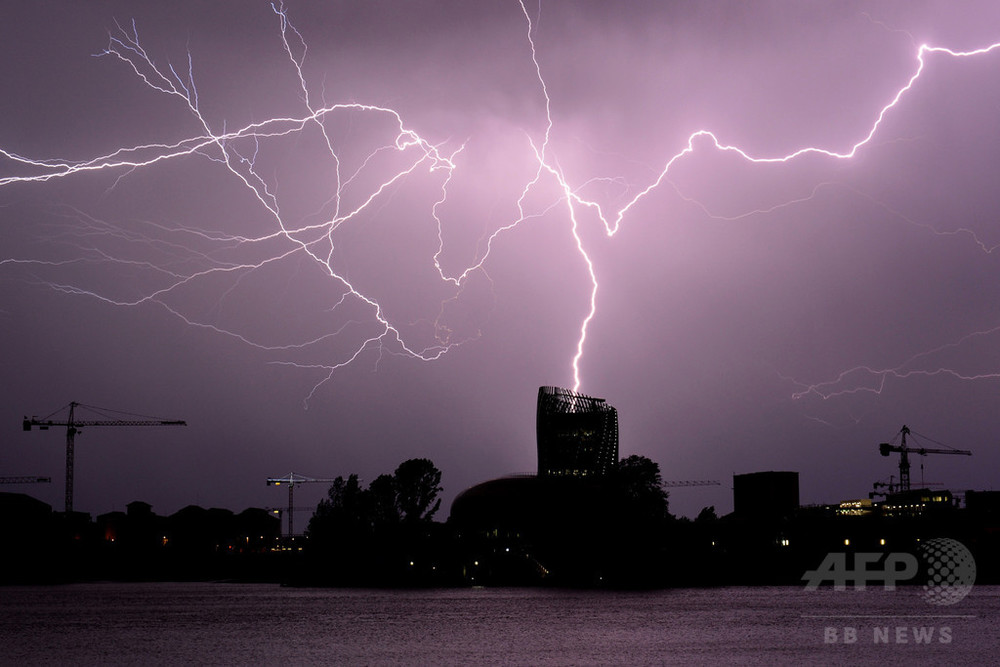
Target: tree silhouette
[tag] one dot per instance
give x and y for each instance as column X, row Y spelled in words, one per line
column 342, row 513
column 417, row 484
column 706, row 515
column 377, row 535
column 641, row 487
column 383, row 504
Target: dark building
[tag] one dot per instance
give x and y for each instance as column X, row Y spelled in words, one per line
column 577, row 434
column 765, row 495
column 983, row 503
column 555, row 526
column 25, row 520
column 917, row 502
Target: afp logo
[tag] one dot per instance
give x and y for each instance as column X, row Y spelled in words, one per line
column 950, row 567
column 951, row 570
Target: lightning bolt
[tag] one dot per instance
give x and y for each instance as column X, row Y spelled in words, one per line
column 612, row 223
column 872, row 380
column 237, row 151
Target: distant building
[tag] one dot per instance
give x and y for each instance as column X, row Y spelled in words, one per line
column 138, row 509
column 23, row 517
column 855, row 507
column 111, row 525
column 917, row 502
column 983, row 503
column 528, row 528
column 577, row 434
column 577, row 447
column 765, row 495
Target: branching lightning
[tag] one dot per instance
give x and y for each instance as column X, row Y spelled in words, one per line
column 236, row 151
column 872, row 380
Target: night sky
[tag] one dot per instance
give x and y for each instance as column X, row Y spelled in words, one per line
column 370, row 233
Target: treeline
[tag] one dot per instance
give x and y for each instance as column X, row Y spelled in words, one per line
column 194, row 543
column 614, row 530
column 511, row 531
column 379, row 535
column 408, row 496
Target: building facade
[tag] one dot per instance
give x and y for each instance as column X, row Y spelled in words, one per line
column 577, row 434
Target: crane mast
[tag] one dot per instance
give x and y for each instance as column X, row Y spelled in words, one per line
column 290, row 481
column 73, row 426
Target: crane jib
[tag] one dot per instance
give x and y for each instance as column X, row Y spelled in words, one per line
column 73, row 426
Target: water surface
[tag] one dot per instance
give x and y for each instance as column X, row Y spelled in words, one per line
column 214, row 623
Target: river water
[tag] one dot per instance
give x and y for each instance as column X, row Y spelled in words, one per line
column 216, row 623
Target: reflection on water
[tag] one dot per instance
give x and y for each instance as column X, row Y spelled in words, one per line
column 248, row 623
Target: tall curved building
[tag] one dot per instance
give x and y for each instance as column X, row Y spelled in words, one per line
column 577, row 434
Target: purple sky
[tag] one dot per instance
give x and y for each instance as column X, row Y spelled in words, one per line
column 324, row 294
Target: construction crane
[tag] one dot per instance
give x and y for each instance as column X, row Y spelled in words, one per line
column 904, row 451
column 25, row 479
column 693, row 482
column 890, row 488
column 73, row 426
column 291, row 480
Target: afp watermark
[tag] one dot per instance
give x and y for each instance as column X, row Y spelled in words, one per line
column 950, row 569
column 888, row 634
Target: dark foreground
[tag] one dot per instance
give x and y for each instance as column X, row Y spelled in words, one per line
column 580, row 553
